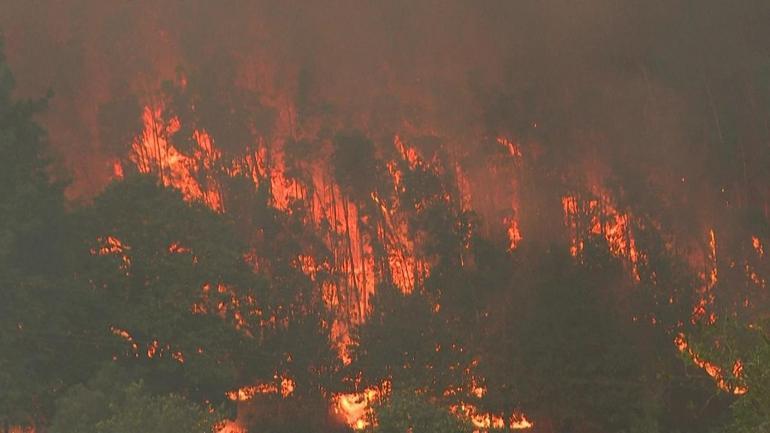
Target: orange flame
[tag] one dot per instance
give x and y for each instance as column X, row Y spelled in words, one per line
column 512, row 148
column 284, row 388
column 153, row 153
column 711, row 369
column 485, row 421
column 606, row 221
column 117, row 170
column 111, row 245
column 711, row 277
column 514, row 234
column 355, row 408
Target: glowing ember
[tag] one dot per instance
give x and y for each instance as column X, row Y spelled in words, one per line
column 123, row 334
column 711, row 277
column 111, row 245
column 514, row 234
column 117, row 170
column 176, row 248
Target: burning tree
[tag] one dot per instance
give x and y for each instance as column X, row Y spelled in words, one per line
column 549, row 217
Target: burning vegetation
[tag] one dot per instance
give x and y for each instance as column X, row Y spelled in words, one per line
column 398, row 217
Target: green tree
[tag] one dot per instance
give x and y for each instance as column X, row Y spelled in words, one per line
column 112, row 402
column 404, row 341
column 563, row 352
column 168, row 283
column 407, row 411
column 740, row 348
column 750, row 413
column 38, row 321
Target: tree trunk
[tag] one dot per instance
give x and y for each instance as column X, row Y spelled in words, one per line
column 350, row 253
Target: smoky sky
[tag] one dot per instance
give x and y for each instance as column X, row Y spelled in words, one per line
column 667, row 99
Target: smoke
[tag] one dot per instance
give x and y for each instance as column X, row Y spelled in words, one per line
column 663, row 102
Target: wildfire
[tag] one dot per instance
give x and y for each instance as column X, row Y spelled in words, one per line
column 111, row 245
column 711, row 277
column 193, row 174
column 153, row 153
column 355, row 408
column 570, row 206
column 485, row 421
column 406, row 268
column 123, row 334
column 177, row 248
column 284, row 388
column 758, row 247
column 712, row 369
column 514, row 233
column 599, row 217
column 512, row 148
column 754, row 277
column 314, row 80
column 520, row 422
column 353, row 236
column 117, row 170
column 408, row 153
column 713, row 274
column 229, row 426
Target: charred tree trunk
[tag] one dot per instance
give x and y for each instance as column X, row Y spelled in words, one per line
column 364, row 280
column 352, row 261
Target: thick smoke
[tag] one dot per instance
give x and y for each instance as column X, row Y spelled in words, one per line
column 665, row 103
column 371, row 142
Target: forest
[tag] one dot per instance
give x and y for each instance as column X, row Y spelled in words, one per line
column 384, row 217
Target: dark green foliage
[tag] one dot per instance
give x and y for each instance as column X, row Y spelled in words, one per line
column 113, row 403
column 562, row 354
column 750, row 412
column 406, row 342
column 407, row 411
column 735, row 339
column 36, row 321
column 152, row 285
column 292, row 415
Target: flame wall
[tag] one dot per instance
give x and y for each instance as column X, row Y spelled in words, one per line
column 551, row 120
